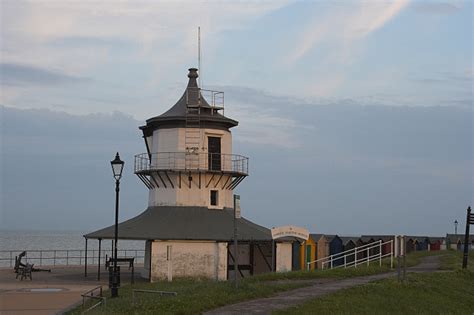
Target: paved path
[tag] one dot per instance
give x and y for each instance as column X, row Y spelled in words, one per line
column 318, row 288
column 48, row 293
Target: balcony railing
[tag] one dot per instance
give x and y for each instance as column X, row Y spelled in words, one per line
column 184, row 161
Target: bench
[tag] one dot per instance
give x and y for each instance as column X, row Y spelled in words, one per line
column 25, row 272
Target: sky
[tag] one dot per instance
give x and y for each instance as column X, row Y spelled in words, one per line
column 356, row 115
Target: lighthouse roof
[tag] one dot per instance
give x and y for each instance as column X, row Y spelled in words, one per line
column 185, row 223
column 176, row 116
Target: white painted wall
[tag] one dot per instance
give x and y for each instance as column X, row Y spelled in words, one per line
column 197, row 259
column 173, row 140
column 283, row 257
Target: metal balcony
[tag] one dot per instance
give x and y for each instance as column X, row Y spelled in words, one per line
column 232, row 164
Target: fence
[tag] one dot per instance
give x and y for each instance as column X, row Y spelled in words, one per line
column 356, row 256
column 66, row 257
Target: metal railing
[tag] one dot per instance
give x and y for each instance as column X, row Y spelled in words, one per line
column 185, row 161
column 352, row 257
column 89, row 295
column 66, row 257
column 197, row 97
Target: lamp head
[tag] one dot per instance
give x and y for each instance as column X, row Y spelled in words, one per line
column 117, row 166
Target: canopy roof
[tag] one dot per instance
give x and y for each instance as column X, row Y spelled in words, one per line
column 185, row 223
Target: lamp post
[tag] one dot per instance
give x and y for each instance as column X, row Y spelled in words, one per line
column 117, row 167
column 455, row 227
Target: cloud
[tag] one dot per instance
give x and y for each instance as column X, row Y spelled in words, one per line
column 344, row 24
column 433, row 7
column 16, row 74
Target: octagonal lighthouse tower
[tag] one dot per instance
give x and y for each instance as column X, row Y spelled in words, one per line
column 189, row 160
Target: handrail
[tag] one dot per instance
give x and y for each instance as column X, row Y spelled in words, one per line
column 349, row 250
column 90, row 294
column 185, row 161
column 353, row 252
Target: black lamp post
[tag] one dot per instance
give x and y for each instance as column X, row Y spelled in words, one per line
column 455, row 227
column 117, row 167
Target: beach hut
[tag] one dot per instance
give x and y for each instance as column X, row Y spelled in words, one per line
column 322, row 247
column 423, row 243
column 335, row 247
column 348, row 244
column 410, row 244
column 308, row 253
column 386, row 245
column 435, row 243
column 456, row 241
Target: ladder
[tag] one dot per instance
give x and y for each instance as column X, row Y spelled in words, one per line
column 192, row 135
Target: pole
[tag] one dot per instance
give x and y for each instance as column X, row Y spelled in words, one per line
column 236, row 251
column 466, row 239
column 114, row 288
column 404, row 259
column 399, row 251
column 98, row 265
column 85, row 260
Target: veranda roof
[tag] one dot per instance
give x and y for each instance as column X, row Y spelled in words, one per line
column 185, row 223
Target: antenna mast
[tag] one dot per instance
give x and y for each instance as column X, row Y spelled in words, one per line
column 199, row 57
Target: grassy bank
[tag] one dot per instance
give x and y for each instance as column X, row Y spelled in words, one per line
column 197, row 296
column 432, row 293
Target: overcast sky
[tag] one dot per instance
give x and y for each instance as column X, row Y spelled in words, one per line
column 356, row 115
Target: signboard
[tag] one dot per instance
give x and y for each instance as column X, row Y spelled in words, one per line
column 237, row 206
column 290, row 231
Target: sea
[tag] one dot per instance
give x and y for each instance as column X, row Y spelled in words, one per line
column 57, row 243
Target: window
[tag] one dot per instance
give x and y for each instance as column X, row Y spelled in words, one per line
column 214, row 197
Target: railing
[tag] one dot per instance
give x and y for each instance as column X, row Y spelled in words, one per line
column 90, row 295
column 185, row 161
column 66, row 257
column 350, row 258
column 197, row 96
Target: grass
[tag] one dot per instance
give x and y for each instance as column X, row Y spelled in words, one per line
column 429, row 293
column 196, row 296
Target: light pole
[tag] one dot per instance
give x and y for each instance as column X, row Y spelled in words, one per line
column 117, row 167
column 455, row 227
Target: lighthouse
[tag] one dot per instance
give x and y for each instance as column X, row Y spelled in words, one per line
column 190, row 171
column 189, row 159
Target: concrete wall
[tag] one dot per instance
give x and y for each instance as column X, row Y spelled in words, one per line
column 198, row 259
column 283, row 256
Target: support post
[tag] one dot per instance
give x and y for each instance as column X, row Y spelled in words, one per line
column 273, row 256
column 98, row 259
column 399, row 254
column 404, row 259
column 380, row 253
column 391, row 254
column 85, row 260
column 355, row 257
column 236, row 250
column 466, row 239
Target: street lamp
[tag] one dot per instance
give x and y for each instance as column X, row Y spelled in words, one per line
column 117, row 167
column 455, row 227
